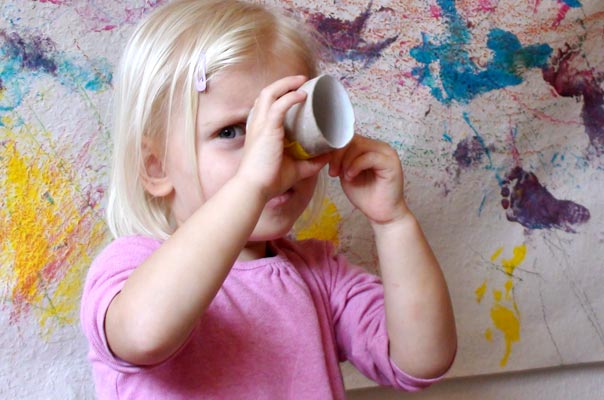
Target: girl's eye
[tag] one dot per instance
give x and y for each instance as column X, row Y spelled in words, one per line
column 231, row 132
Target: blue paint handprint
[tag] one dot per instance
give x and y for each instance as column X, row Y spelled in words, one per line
column 460, row 79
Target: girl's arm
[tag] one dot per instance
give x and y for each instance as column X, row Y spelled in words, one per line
column 162, row 300
column 419, row 315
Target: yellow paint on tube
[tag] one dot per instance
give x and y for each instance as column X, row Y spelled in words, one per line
column 296, row 150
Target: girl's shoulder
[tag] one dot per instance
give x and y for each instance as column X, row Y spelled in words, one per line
column 127, row 250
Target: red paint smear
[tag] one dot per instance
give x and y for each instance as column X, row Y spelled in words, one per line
column 435, row 11
column 562, row 11
column 487, row 5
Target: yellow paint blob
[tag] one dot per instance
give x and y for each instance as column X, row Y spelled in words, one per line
column 507, row 322
column 509, row 265
column 496, row 254
column 480, row 291
column 509, row 285
column 296, row 150
column 325, row 227
column 505, row 313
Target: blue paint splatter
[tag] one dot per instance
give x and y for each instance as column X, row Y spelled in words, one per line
column 459, row 77
column 571, row 3
column 23, row 58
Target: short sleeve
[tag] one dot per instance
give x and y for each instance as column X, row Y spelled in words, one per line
column 106, row 278
column 357, row 301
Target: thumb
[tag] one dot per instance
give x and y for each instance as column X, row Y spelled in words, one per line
column 312, row 166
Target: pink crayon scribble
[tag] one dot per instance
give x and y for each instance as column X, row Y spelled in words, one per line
column 562, row 11
column 58, row 2
column 435, row 11
column 487, row 5
column 99, row 16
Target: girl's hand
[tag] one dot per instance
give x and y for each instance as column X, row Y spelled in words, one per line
column 264, row 162
column 371, row 176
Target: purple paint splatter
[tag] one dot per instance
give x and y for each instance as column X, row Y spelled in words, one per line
column 23, row 57
column 469, row 152
column 344, row 38
column 569, row 80
column 530, row 204
column 33, row 53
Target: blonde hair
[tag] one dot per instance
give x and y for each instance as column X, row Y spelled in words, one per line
column 156, row 74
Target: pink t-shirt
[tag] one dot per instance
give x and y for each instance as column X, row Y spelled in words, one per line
column 277, row 329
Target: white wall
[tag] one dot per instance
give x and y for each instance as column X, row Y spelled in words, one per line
column 584, row 382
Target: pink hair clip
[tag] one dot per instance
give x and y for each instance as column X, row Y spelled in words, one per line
column 200, row 74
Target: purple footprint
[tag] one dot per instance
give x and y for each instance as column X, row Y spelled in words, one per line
column 530, row 204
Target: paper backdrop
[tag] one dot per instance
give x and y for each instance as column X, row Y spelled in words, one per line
column 496, row 108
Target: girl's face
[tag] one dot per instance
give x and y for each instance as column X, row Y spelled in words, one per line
column 222, row 115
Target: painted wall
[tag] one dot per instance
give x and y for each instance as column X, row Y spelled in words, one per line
column 578, row 383
column 496, row 108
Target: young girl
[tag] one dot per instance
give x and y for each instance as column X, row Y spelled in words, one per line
column 201, row 295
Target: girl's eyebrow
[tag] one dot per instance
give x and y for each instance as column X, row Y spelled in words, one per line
column 225, row 120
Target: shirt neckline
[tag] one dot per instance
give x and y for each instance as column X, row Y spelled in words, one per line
column 263, row 262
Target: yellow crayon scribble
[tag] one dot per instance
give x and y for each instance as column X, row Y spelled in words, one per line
column 324, row 227
column 507, row 322
column 48, row 232
column 480, row 291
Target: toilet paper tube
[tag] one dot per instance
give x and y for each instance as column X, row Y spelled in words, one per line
column 323, row 122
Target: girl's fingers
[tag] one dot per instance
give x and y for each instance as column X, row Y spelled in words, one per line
column 312, row 166
column 276, row 113
column 337, row 161
column 363, row 154
column 367, row 161
column 270, row 94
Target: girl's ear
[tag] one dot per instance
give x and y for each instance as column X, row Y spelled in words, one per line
column 155, row 180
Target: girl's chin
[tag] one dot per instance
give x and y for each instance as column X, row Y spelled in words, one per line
column 266, row 230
